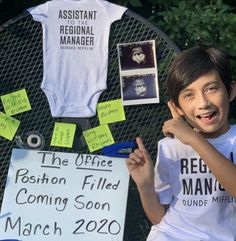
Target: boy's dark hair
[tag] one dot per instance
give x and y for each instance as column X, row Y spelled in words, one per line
column 192, row 64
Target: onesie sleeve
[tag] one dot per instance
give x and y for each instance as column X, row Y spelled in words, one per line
column 39, row 13
column 114, row 11
column 162, row 186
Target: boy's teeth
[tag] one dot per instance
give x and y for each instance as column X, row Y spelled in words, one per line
column 204, row 116
column 207, row 116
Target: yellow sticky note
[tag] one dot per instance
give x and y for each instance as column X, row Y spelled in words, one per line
column 16, row 102
column 63, row 134
column 98, row 137
column 110, row 111
column 8, row 126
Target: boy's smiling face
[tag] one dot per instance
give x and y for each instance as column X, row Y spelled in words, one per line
column 205, row 105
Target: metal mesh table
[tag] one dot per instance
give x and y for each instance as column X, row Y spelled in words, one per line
column 21, row 66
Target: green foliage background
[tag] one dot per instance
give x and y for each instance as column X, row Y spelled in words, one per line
column 186, row 22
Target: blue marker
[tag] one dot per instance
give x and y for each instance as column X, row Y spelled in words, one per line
column 5, row 215
column 10, row 240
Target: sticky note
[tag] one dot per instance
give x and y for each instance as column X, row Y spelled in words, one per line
column 63, row 134
column 16, row 102
column 98, row 137
column 8, row 126
column 110, row 111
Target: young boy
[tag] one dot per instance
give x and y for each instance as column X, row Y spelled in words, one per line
column 191, row 193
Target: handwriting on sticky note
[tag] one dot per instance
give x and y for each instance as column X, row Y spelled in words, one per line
column 98, row 137
column 8, row 126
column 110, row 111
column 63, row 134
column 16, row 102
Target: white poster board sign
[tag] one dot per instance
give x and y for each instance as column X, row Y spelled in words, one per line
column 60, row 196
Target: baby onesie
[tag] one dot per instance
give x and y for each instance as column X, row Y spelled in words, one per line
column 75, row 53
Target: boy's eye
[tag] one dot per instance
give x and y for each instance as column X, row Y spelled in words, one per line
column 188, row 95
column 211, row 89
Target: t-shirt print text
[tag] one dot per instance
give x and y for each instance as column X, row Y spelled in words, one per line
column 199, row 186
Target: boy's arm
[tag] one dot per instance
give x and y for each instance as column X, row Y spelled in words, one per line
column 151, row 205
column 141, row 170
column 221, row 167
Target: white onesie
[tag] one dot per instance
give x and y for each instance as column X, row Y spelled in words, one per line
column 75, row 53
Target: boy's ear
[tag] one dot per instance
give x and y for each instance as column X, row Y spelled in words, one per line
column 179, row 110
column 233, row 91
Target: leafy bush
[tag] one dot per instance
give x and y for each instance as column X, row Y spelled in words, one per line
column 188, row 24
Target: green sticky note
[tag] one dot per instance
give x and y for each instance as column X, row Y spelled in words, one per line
column 110, row 111
column 63, row 134
column 8, row 126
column 98, row 137
column 16, row 102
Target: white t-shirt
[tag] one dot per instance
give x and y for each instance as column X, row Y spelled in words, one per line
column 200, row 208
column 75, row 53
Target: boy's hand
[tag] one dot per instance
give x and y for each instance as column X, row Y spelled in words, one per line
column 140, row 166
column 177, row 126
